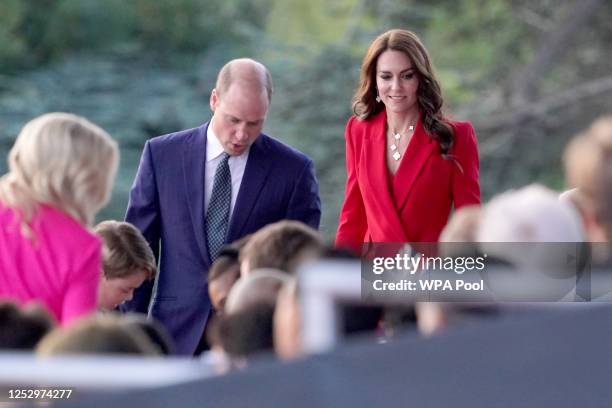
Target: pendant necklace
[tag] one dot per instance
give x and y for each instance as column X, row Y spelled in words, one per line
column 395, row 143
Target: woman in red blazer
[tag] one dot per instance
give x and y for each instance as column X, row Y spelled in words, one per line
column 407, row 164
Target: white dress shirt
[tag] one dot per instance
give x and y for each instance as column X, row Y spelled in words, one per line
column 237, row 164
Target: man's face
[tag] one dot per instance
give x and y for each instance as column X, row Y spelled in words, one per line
column 239, row 116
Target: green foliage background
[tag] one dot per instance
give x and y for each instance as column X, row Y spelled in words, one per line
column 142, row 68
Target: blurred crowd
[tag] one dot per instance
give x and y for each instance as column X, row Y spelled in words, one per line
column 61, row 173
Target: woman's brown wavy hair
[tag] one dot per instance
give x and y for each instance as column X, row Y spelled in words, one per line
column 429, row 95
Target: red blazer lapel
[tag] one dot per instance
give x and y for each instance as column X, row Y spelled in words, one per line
column 374, row 166
column 417, row 153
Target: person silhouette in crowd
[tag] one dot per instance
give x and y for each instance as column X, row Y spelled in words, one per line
column 198, row 189
column 61, row 171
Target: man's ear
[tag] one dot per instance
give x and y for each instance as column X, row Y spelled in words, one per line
column 214, row 99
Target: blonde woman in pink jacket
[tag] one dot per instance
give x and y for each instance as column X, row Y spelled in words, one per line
column 61, row 171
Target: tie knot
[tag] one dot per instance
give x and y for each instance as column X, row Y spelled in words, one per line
column 225, row 157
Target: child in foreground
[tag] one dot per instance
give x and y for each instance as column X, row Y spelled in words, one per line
column 127, row 262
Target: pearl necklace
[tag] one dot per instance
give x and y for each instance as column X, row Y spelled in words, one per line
column 394, row 146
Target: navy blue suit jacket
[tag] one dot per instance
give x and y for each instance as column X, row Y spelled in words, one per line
column 167, row 204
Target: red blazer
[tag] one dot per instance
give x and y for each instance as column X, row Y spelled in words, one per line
column 413, row 205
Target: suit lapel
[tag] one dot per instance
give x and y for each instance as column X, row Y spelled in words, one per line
column 194, row 158
column 257, row 168
column 417, row 153
column 375, row 165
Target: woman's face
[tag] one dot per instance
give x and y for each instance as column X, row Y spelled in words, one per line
column 397, row 82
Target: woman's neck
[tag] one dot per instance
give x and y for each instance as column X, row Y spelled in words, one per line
column 400, row 122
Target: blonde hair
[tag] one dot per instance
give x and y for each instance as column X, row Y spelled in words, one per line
column 62, row 160
column 588, row 166
column 125, row 250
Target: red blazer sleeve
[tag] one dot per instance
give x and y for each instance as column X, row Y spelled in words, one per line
column 465, row 182
column 352, row 225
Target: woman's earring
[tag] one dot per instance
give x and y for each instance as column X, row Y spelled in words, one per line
column 377, row 98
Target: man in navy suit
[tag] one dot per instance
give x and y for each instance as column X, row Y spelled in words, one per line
column 177, row 199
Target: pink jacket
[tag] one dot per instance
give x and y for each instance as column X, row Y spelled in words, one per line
column 59, row 268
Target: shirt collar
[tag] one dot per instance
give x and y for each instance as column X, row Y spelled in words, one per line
column 213, row 145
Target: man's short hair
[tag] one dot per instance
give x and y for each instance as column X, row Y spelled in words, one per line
column 280, row 245
column 227, row 76
column 125, row 251
column 248, row 332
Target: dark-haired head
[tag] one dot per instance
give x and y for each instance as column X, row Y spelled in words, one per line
column 22, row 327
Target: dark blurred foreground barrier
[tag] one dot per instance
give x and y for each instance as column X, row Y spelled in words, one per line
column 558, row 358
